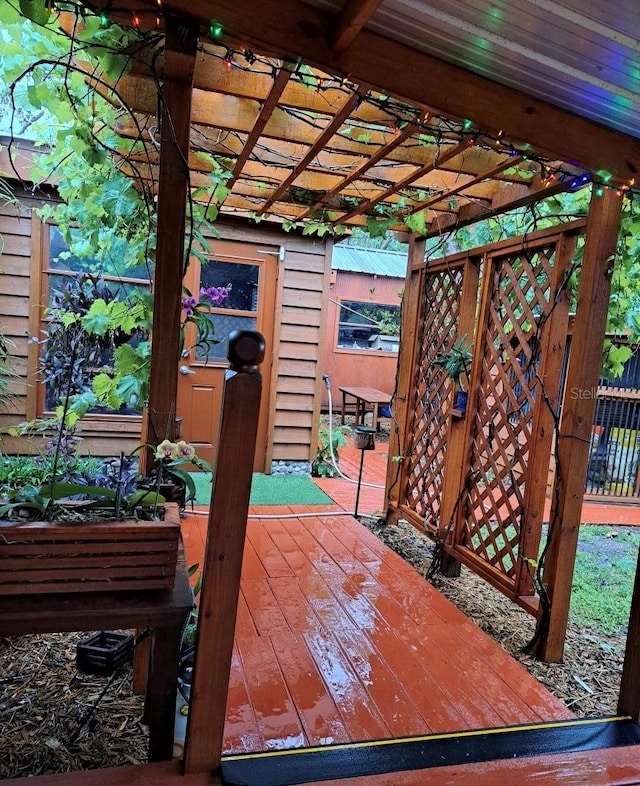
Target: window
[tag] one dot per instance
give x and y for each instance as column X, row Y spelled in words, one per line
column 373, row 326
column 63, row 284
column 238, row 311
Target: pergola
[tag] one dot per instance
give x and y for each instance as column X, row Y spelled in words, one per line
column 410, row 116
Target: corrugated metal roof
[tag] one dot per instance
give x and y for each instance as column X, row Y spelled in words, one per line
column 367, row 260
column 582, row 55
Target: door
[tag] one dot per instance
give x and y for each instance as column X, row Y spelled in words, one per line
column 249, row 271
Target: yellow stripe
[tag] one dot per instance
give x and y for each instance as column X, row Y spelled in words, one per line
column 446, row 736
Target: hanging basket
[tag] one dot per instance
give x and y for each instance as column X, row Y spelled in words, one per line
column 44, row 557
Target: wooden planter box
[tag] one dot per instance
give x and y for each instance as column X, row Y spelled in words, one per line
column 45, row 557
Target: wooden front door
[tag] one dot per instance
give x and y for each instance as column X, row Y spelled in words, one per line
column 250, row 273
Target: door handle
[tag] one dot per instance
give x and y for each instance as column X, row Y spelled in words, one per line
column 184, row 370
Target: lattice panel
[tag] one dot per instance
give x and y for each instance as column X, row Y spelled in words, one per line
column 426, row 447
column 521, row 299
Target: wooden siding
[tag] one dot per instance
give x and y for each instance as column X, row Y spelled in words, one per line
column 15, row 264
column 361, row 367
column 300, row 308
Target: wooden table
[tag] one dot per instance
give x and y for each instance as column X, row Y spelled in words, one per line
column 364, row 397
column 163, row 611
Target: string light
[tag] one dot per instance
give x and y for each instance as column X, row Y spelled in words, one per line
column 104, row 19
column 467, row 125
column 135, row 19
column 215, row 29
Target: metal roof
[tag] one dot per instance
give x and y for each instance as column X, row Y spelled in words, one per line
column 366, row 260
column 582, row 55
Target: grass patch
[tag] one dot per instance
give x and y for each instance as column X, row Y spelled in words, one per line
column 603, row 578
column 270, row 490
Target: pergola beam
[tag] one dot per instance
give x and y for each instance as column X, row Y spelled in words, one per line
column 268, row 107
column 447, row 154
column 313, row 151
column 352, row 19
column 295, row 29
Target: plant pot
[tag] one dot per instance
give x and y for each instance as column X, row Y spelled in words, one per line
column 96, row 556
column 461, row 400
column 104, row 652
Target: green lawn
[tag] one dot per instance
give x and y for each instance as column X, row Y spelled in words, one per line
column 603, row 578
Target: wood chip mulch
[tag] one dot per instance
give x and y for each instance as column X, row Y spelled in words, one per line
column 44, row 701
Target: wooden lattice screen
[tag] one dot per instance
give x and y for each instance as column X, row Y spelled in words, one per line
column 424, row 471
column 479, row 483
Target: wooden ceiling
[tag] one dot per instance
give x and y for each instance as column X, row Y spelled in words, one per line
column 327, row 148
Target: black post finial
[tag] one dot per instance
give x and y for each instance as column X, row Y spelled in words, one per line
column 246, row 350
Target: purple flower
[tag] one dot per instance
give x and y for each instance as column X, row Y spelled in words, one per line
column 188, row 304
column 215, row 294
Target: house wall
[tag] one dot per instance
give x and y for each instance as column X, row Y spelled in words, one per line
column 25, row 239
column 300, row 323
column 358, row 367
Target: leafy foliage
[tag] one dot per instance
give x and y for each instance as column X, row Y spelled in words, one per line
column 322, row 465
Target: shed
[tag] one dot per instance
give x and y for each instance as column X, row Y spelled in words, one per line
column 363, row 318
column 287, row 274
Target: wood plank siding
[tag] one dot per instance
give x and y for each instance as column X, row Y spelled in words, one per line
column 362, row 367
column 15, row 264
column 300, row 321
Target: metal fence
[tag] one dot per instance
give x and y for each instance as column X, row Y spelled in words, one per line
column 614, row 459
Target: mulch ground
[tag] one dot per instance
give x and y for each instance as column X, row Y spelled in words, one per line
column 46, row 723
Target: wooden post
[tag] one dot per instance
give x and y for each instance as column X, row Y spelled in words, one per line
column 223, row 553
column 411, row 310
column 173, row 182
column 577, row 419
column 458, row 448
column 629, row 699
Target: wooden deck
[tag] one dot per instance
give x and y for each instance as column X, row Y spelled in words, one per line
column 339, row 640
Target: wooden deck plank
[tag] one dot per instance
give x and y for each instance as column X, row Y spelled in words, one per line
column 356, row 706
column 316, row 707
column 276, row 715
column 263, row 607
column 379, row 647
column 241, row 731
column 268, row 553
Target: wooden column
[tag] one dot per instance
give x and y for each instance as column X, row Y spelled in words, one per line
column 411, row 312
column 577, row 419
column 173, row 182
column 223, row 553
column 458, row 438
column 629, row 699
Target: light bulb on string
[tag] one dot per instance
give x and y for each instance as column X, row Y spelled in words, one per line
column 135, row 19
column 215, row 29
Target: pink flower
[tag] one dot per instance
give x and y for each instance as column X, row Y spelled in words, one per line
column 215, row 294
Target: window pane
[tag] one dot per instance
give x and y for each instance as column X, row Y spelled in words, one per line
column 223, row 325
column 110, row 266
column 374, row 326
column 243, row 280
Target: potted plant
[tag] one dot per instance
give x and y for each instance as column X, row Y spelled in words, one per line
column 456, row 362
column 68, row 534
